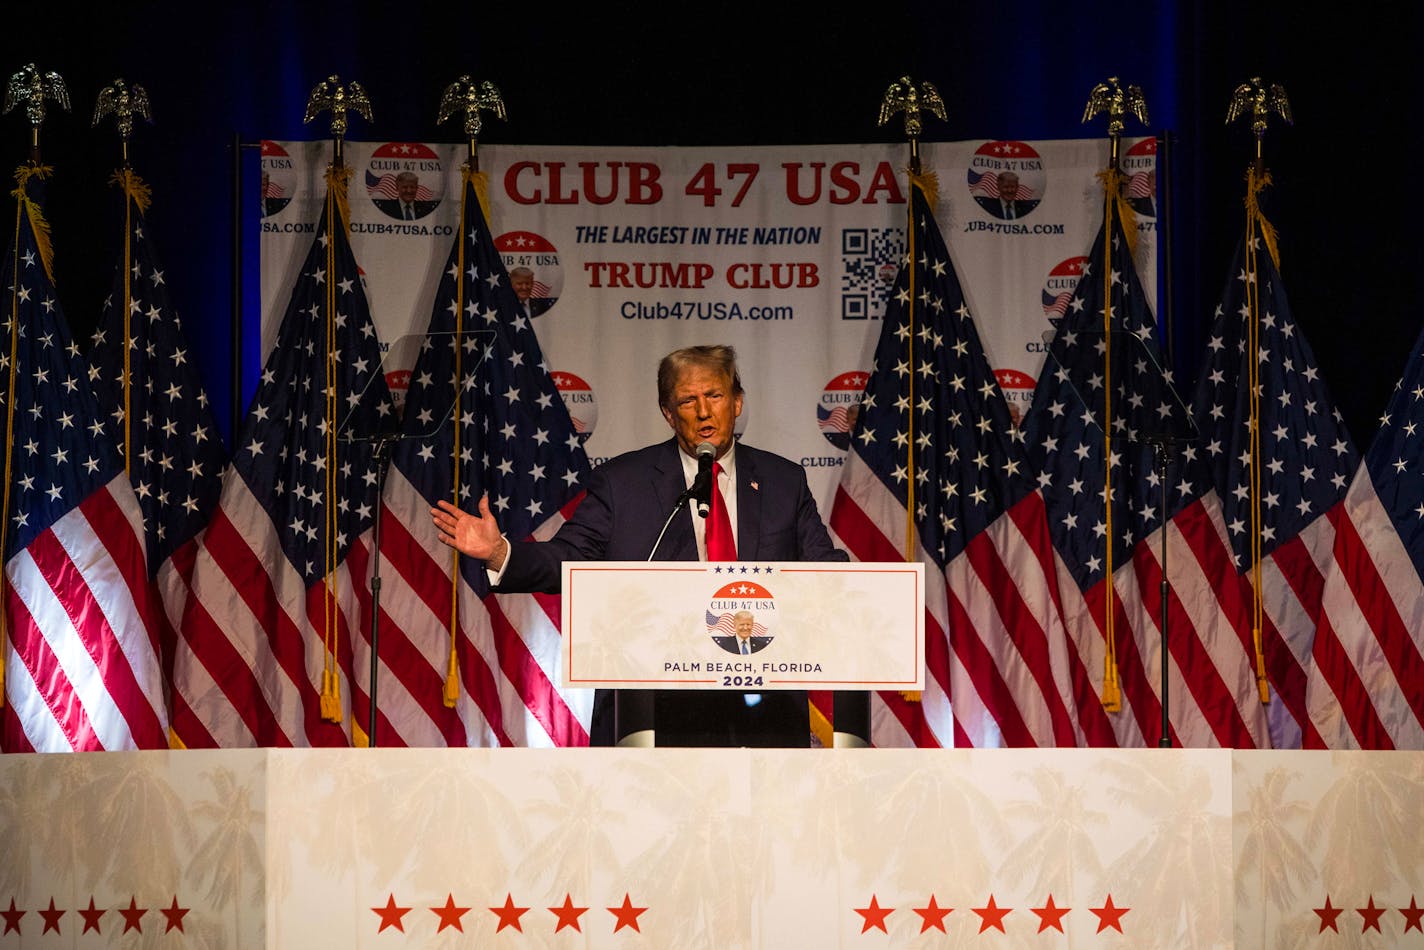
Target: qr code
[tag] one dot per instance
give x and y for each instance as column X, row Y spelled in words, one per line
column 870, row 259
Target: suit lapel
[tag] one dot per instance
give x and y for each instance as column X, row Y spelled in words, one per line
column 748, row 506
column 680, row 544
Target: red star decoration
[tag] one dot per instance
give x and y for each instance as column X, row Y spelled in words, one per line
column 175, row 915
column 450, row 914
column 91, row 917
column 12, row 917
column 569, row 915
column 992, row 916
column 1413, row 917
column 874, row 915
column 132, row 915
column 1050, row 915
column 627, row 915
column 391, row 914
column 51, row 918
column 933, row 915
column 1327, row 916
column 508, row 914
column 1109, row 916
column 1371, row 914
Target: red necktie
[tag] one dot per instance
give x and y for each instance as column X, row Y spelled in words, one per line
column 721, row 545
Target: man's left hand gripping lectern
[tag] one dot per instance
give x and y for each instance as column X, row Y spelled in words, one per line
column 745, row 628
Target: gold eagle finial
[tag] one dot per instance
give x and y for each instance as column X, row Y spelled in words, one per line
column 331, row 95
column 123, row 102
column 31, row 88
column 904, row 96
column 1260, row 100
column 465, row 95
column 1111, row 98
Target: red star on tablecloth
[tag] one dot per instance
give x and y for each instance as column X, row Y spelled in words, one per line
column 933, row 915
column 1413, row 917
column 1370, row 913
column 91, row 917
column 1109, row 916
column 174, row 915
column 874, row 915
column 1050, row 915
column 568, row 914
column 1327, row 916
column 992, row 916
column 508, row 914
column 51, row 918
column 450, row 914
column 391, row 914
column 12, row 917
column 132, row 915
column 627, row 915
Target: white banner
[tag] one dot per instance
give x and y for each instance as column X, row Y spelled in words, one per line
column 787, row 253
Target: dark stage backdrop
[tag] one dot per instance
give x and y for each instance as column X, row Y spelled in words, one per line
column 766, row 73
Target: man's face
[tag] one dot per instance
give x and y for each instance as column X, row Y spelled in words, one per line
column 703, row 409
column 1008, row 186
column 523, row 285
column 742, row 623
column 406, row 188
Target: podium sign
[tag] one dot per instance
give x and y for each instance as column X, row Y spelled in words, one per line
column 759, row 626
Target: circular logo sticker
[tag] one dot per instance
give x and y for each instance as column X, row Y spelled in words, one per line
column 839, row 406
column 739, row 617
column 534, row 271
column 1140, row 189
column 579, row 401
column 1058, row 289
column 1017, row 388
column 1007, row 179
column 405, row 180
column 278, row 178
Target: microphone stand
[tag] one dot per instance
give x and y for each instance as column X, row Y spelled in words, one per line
column 381, row 455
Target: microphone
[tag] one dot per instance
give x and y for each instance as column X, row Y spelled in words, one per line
column 702, row 484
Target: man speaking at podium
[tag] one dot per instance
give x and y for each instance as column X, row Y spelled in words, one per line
column 746, row 505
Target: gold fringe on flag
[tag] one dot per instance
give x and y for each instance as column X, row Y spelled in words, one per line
column 337, row 179
column 1255, row 184
column 137, row 190
column 136, row 194
column 38, row 224
column 480, row 181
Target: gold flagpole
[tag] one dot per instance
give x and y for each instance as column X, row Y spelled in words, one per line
column 123, row 102
column 30, row 88
column 330, row 94
column 463, row 95
column 1111, row 98
column 1260, row 100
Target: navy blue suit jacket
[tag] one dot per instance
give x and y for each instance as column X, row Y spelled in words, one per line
column 629, row 497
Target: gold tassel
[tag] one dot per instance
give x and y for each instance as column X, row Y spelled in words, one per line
column 480, row 182
column 911, row 695
column 1113, row 179
column 38, row 224
column 174, row 742
column 928, row 183
column 2, row 676
column 336, row 183
column 1255, row 184
column 359, row 739
column 452, row 681
column 1112, row 694
column 135, row 187
column 330, row 696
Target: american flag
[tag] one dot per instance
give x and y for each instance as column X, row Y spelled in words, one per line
column 81, row 621
column 503, row 432
column 934, row 419
column 278, row 586
column 1268, row 511
column 1365, row 690
column 724, row 624
column 177, row 454
column 1101, row 550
